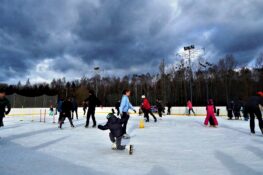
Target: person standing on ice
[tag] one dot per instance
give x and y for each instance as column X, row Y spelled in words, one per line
column 229, row 108
column 75, row 108
column 66, row 112
column 125, row 106
column 210, row 114
column 92, row 102
column 146, row 108
column 115, row 125
column 59, row 109
column 169, row 106
column 160, row 107
column 5, row 106
column 252, row 107
column 190, row 107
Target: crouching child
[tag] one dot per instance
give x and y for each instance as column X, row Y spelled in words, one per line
column 115, row 125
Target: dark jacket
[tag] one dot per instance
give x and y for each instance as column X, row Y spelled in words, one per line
column 4, row 103
column 74, row 105
column 159, row 106
column 92, row 101
column 254, row 102
column 114, row 124
column 67, row 108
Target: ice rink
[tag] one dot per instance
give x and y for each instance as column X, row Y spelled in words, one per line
column 174, row 145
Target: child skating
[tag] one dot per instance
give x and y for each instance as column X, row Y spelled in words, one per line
column 115, row 125
column 210, row 114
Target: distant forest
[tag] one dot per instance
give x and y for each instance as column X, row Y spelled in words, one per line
column 222, row 81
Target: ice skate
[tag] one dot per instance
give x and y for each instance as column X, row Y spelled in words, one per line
column 126, row 136
column 114, row 146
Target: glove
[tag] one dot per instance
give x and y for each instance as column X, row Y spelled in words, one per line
column 99, row 126
column 134, row 111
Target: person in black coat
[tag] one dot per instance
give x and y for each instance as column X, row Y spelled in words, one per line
column 5, row 106
column 169, row 106
column 66, row 112
column 117, row 107
column 252, row 108
column 160, row 107
column 229, row 108
column 115, row 125
column 237, row 109
column 92, row 102
column 75, row 108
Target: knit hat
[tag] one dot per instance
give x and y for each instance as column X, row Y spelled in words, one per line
column 143, row 96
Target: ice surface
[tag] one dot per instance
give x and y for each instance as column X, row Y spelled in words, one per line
column 174, row 145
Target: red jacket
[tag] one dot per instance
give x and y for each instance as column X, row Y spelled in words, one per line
column 146, row 105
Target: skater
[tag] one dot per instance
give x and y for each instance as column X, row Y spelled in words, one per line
column 115, row 125
column 117, row 107
column 51, row 111
column 85, row 106
column 74, row 108
column 190, row 107
column 59, row 109
column 66, row 112
column 237, row 109
column 229, row 108
column 146, row 108
column 92, row 102
column 5, row 106
column 252, row 107
column 169, row 106
column 160, row 107
column 210, row 114
column 124, row 109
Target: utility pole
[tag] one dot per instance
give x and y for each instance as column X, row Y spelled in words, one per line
column 189, row 48
column 97, row 73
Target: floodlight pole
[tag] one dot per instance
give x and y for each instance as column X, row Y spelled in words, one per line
column 189, row 48
column 97, row 71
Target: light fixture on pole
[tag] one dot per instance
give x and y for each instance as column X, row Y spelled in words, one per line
column 189, row 48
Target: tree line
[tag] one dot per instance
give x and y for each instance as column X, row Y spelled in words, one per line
column 223, row 81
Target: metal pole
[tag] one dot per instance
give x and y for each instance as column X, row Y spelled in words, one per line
column 190, row 76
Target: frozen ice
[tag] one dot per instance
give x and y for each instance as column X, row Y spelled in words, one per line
column 173, row 145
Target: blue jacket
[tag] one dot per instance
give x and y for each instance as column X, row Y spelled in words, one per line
column 125, row 104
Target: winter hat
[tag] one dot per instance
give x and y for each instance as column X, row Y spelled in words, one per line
column 143, row 96
column 210, row 101
column 260, row 93
column 109, row 115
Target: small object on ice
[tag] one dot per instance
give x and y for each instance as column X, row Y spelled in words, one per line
column 131, row 149
column 114, row 146
column 126, row 136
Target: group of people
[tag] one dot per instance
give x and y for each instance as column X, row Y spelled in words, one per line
column 68, row 107
column 118, row 126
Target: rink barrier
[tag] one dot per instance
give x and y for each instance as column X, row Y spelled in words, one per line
column 175, row 111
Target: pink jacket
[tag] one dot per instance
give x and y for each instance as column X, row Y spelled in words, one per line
column 189, row 105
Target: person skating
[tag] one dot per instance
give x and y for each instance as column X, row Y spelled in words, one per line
column 169, row 106
column 253, row 109
column 229, row 108
column 5, row 106
column 92, row 102
column 115, row 125
column 125, row 106
column 117, row 107
column 59, row 109
column 160, row 107
column 190, row 107
column 66, row 112
column 146, row 108
column 75, row 108
column 237, row 109
column 210, row 114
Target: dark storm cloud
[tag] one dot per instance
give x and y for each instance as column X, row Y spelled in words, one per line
column 121, row 36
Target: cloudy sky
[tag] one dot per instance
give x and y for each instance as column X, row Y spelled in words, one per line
column 46, row 39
